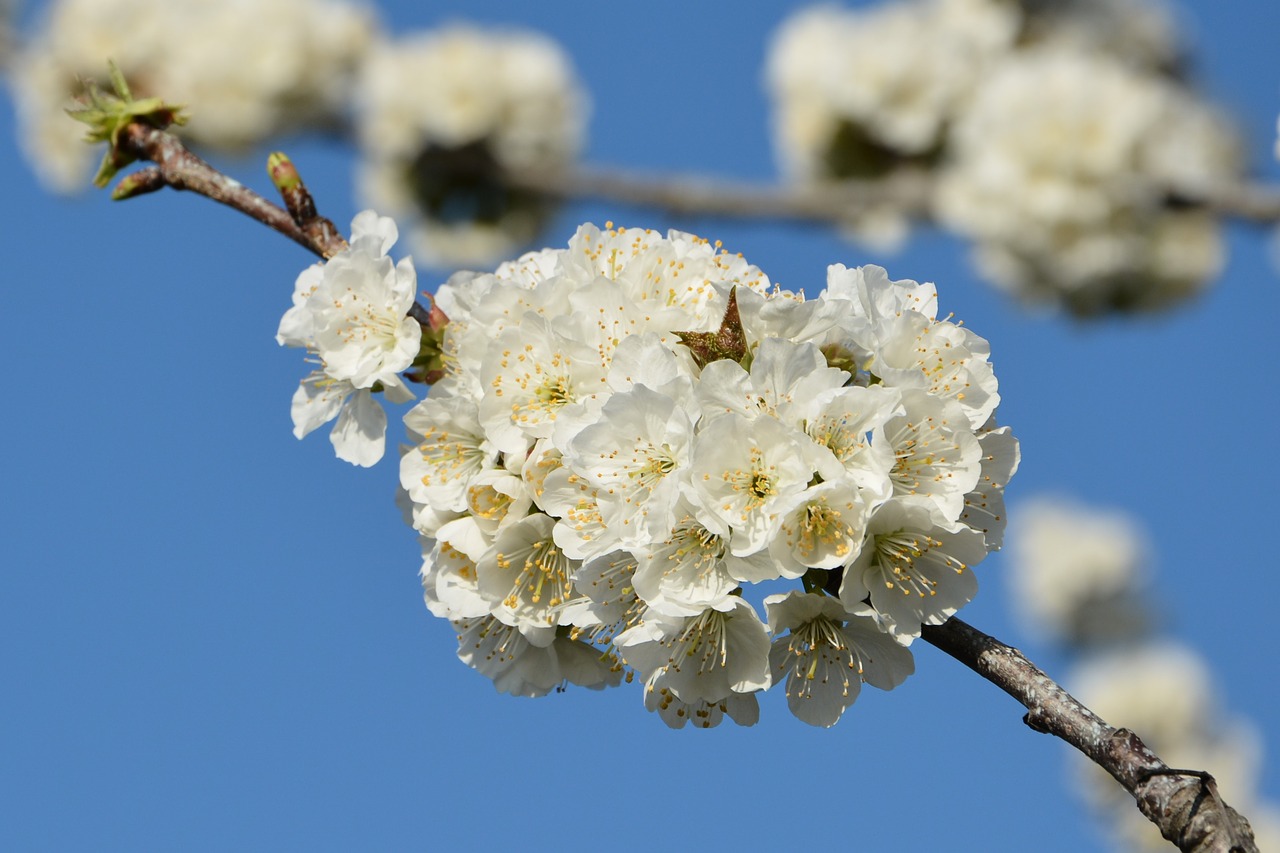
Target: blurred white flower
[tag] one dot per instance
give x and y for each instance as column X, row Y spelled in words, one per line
column 858, row 93
column 856, row 89
column 246, row 70
column 1165, row 693
column 443, row 114
column 632, row 430
column 1077, row 177
column 1079, row 573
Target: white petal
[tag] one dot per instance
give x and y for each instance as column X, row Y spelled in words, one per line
column 359, row 436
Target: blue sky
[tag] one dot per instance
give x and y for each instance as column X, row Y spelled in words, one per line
column 212, row 635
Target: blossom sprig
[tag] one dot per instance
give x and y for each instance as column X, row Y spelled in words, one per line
column 635, row 434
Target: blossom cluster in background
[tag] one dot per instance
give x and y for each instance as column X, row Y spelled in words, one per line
column 1061, row 141
column 1080, row 579
column 438, row 117
column 1081, row 574
column 1076, row 175
column 290, row 70
column 1057, row 136
column 636, row 438
column 441, row 115
column 1165, row 692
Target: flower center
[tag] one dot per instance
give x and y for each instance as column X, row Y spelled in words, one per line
column 702, row 642
column 543, row 574
column 899, row 555
column 449, row 455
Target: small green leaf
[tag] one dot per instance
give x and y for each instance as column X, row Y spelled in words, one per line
column 108, row 114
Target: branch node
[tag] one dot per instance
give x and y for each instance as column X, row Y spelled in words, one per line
column 1035, row 720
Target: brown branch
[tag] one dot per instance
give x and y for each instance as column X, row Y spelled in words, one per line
column 177, row 167
column 1184, row 804
column 180, row 169
column 1251, row 202
column 908, row 191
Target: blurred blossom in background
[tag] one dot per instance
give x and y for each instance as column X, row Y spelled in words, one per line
column 441, row 116
column 1081, row 578
column 251, row 70
column 1063, row 146
column 1080, row 574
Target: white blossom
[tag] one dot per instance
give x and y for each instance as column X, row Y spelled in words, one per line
column 825, row 530
column 1061, row 171
column 747, row 474
column 848, row 81
column 635, row 455
column 449, row 583
column 450, row 450
column 359, row 436
column 351, row 313
column 636, row 435
column 913, row 571
column 526, row 667
column 936, row 457
column 692, row 568
column 742, row 708
column 858, row 93
column 525, row 576
column 705, row 657
column 984, row 507
column 1079, row 573
column 354, row 314
column 827, row 654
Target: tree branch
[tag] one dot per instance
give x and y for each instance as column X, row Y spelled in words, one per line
column 177, row 167
column 1184, row 804
column 907, row 191
column 180, row 169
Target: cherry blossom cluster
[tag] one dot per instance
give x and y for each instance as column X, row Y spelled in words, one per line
column 635, row 443
column 1061, row 142
column 1078, row 178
